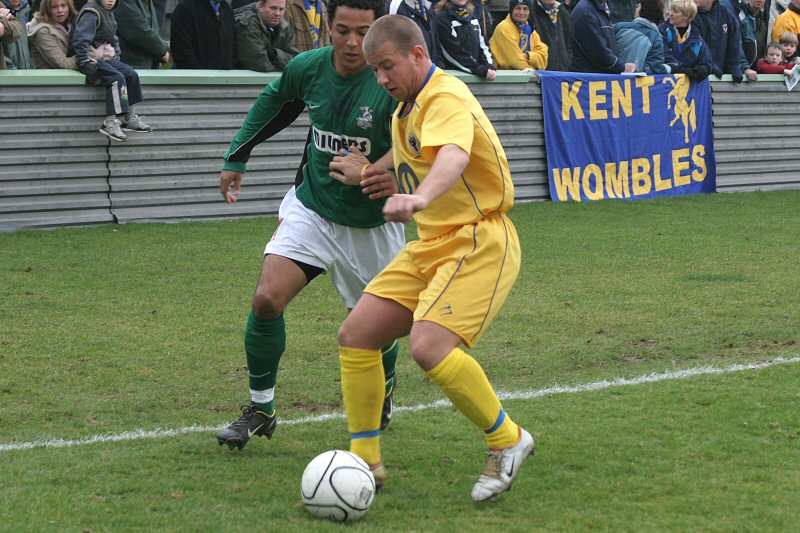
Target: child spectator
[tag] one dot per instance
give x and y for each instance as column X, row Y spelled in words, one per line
column 48, row 36
column 97, row 27
column 685, row 51
column 788, row 44
column 774, row 62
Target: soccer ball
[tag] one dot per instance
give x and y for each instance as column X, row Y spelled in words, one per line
column 337, row 485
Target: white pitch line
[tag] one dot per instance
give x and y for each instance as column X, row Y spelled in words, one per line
column 520, row 395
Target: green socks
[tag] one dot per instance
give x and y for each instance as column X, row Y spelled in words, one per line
column 264, row 342
column 390, row 353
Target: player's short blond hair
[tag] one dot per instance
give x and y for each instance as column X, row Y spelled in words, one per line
column 686, row 7
column 788, row 37
column 397, row 29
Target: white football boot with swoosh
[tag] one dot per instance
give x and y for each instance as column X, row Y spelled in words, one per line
column 501, row 468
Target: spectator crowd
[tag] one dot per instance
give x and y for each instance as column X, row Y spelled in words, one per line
column 108, row 40
column 696, row 37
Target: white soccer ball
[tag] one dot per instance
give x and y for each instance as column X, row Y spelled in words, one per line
column 337, row 485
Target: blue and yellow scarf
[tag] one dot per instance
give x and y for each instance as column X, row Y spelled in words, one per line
column 419, row 5
column 526, row 30
column 215, row 5
column 552, row 12
column 314, row 15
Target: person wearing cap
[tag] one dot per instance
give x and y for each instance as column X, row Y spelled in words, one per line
column 515, row 42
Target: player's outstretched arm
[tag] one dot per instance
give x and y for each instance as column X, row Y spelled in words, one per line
column 230, row 185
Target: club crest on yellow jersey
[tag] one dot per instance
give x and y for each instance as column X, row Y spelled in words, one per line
column 413, row 142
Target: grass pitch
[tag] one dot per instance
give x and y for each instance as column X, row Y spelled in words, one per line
column 110, row 329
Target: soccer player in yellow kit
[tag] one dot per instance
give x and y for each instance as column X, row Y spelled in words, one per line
column 445, row 288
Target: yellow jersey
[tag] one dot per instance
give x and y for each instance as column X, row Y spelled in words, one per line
column 446, row 112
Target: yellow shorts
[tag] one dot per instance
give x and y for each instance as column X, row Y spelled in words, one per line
column 458, row 280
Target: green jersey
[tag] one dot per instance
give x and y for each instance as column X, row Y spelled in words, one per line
column 344, row 110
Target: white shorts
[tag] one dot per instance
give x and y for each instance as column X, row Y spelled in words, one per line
column 352, row 256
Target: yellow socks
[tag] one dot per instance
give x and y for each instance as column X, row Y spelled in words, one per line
column 463, row 381
column 460, row 377
column 363, row 387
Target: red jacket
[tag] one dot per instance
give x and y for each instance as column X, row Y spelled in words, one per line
column 762, row 67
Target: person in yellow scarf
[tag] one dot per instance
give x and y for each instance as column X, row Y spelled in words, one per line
column 515, row 43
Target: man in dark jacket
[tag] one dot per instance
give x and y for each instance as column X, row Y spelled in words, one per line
column 753, row 18
column 594, row 45
column 720, row 30
column 458, row 41
column 139, row 34
column 264, row 40
column 554, row 26
column 202, row 35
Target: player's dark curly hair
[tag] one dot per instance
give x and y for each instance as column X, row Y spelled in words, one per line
column 377, row 6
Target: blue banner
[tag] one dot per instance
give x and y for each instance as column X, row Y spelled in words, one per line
column 627, row 137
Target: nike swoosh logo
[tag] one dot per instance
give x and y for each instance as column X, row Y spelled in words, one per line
column 312, row 106
column 251, row 433
column 511, row 468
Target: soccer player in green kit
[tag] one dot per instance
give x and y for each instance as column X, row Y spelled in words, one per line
column 334, row 220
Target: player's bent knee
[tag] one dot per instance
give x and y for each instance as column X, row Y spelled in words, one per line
column 344, row 335
column 267, row 304
column 347, row 336
column 423, row 353
column 429, row 348
column 354, row 336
